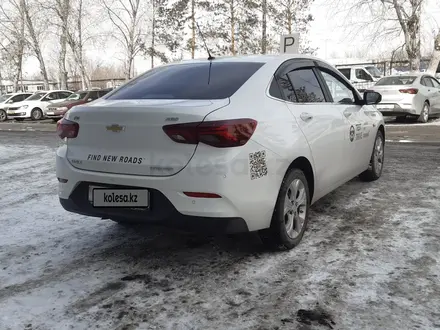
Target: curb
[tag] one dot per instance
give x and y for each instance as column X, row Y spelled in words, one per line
column 411, row 142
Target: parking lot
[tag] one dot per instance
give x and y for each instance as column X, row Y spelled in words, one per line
column 369, row 259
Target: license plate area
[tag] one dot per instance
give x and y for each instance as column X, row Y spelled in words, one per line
column 128, row 198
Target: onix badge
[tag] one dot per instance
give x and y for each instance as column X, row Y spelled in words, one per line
column 115, row 128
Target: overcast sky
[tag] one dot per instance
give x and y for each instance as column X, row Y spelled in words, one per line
column 328, row 32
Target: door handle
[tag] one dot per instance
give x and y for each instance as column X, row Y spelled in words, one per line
column 306, row 116
column 347, row 113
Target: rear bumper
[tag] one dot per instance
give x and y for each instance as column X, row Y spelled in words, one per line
column 397, row 109
column 162, row 213
column 245, row 205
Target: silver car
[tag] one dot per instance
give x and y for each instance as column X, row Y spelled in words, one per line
column 415, row 95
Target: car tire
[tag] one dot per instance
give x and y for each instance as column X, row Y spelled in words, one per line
column 3, row 115
column 36, row 114
column 375, row 168
column 290, row 216
column 424, row 115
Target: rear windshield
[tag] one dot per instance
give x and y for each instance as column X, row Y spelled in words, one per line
column 196, row 81
column 400, row 80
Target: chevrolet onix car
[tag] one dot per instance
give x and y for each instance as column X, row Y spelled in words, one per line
column 415, row 95
column 224, row 145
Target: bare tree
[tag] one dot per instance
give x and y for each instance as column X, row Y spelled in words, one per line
column 61, row 9
column 386, row 20
column 128, row 16
column 35, row 34
column 76, row 40
column 12, row 31
column 435, row 59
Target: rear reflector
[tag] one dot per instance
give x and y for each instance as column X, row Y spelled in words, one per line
column 201, row 195
column 219, row 134
column 67, row 129
column 409, row 91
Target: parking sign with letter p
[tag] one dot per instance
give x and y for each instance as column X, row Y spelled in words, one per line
column 289, row 43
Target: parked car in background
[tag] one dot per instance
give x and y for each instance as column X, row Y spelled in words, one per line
column 57, row 111
column 34, row 107
column 415, row 95
column 7, row 99
column 361, row 76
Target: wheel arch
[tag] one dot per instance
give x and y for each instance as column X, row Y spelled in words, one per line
column 303, row 164
column 382, row 130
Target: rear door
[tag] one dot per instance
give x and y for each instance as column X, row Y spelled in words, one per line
column 323, row 125
column 435, row 107
column 359, row 137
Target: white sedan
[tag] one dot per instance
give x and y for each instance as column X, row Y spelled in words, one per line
column 413, row 95
column 34, row 107
column 229, row 145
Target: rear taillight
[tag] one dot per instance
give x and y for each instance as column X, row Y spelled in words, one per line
column 409, row 91
column 67, row 129
column 219, row 134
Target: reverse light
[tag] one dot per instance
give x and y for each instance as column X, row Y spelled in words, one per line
column 201, row 195
column 219, row 133
column 67, row 128
column 409, row 91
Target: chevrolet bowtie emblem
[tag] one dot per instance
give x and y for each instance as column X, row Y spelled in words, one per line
column 115, row 128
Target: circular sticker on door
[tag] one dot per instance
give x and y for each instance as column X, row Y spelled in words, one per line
column 351, row 133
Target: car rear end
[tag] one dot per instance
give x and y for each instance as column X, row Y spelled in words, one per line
column 162, row 150
column 399, row 95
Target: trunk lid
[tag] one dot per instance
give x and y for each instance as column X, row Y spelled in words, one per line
column 390, row 93
column 126, row 136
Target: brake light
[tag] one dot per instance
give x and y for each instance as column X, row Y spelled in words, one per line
column 409, row 91
column 67, row 128
column 219, row 134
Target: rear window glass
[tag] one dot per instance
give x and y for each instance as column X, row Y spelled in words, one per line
column 400, row 80
column 199, row 81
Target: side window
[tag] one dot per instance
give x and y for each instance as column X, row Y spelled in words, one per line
column 346, row 73
column 51, row 96
column 287, row 88
column 338, row 90
column 427, row 82
column 435, row 83
column 361, row 74
column 274, row 90
column 63, row 95
column 17, row 98
column 306, row 86
column 92, row 95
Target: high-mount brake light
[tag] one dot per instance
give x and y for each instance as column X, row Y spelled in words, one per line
column 67, row 128
column 409, row 91
column 219, row 133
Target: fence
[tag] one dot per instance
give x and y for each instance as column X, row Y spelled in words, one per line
column 76, row 85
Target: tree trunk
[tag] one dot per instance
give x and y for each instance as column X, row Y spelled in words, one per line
column 62, row 60
column 264, row 27
column 232, row 13
column 20, row 52
column 435, row 59
column 35, row 45
column 289, row 21
column 193, row 28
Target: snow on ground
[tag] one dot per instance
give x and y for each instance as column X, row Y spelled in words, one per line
column 369, row 260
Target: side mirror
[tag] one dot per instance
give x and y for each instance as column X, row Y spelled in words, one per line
column 10, row 101
column 371, row 97
column 89, row 100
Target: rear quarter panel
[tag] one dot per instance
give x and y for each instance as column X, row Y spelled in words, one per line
column 275, row 144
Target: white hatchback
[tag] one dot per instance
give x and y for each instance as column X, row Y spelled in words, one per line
column 229, row 145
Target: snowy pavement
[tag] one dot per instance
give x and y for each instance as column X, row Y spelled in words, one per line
column 369, row 260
